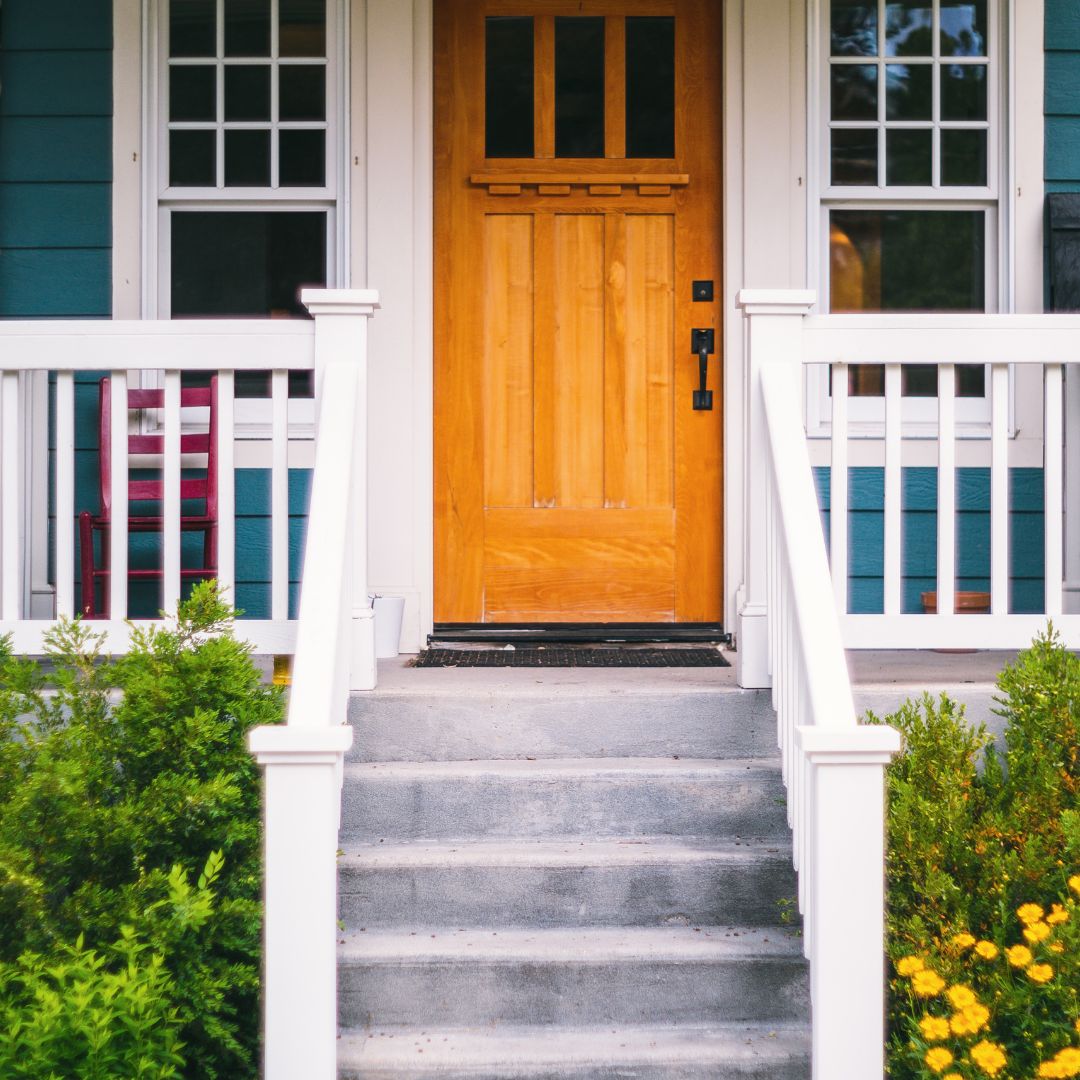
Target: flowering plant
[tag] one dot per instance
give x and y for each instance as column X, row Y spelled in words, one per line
column 982, row 1008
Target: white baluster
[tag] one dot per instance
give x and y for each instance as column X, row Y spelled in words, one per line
column 838, row 488
column 893, row 491
column 999, row 489
column 170, row 466
column 118, row 482
column 946, row 479
column 226, row 485
column 11, row 524
column 279, row 498
column 1053, row 476
column 65, row 494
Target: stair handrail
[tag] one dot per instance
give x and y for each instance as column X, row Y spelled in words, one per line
column 304, row 758
column 833, row 767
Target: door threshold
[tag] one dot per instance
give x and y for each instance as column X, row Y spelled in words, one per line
column 584, row 633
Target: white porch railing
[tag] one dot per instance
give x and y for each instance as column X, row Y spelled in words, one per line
column 333, row 639
column 833, row 767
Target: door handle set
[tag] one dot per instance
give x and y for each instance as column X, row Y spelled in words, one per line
column 703, row 345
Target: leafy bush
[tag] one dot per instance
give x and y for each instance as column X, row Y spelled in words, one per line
column 115, row 777
column 981, row 845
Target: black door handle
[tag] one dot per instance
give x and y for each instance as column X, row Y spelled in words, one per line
column 703, row 345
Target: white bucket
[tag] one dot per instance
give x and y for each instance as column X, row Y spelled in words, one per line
column 388, row 614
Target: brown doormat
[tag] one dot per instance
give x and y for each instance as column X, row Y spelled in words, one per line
column 561, row 656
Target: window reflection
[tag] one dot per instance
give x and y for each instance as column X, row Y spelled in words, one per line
column 909, row 29
column 963, row 28
column 854, row 28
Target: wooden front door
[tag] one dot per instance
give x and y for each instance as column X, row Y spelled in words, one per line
column 577, row 217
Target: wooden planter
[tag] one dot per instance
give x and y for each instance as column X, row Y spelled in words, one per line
column 964, row 603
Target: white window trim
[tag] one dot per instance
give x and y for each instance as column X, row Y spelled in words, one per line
column 252, row 415
column 866, row 415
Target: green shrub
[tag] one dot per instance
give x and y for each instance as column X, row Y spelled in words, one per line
column 974, row 834
column 115, row 775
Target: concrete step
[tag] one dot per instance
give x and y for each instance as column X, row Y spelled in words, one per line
column 471, row 978
column 557, row 798
column 721, row 1052
column 650, row 881
column 460, row 714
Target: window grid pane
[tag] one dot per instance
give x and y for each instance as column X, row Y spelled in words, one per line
column 223, row 82
column 908, row 65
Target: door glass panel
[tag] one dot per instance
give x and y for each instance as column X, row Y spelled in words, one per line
column 193, row 92
column 579, row 87
column 192, row 28
column 247, row 158
column 302, row 28
column 192, row 158
column 508, row 91
column 650, row 86
column 247, row 92
column 247, row 27
column 907, row 260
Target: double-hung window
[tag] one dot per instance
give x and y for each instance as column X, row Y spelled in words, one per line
column 247, row 159
column 909, row 179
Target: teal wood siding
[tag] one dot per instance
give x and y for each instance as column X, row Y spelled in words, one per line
column 866, row 520
column 1062, row 70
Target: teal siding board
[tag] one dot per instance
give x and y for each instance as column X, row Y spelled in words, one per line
column 51, row 216
column 56, row 24
column 48, row 82
column 866, row 520
column 54, row 283
column 1062, row 20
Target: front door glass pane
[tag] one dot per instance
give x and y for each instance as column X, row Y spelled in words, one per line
column 650, row 86
column 247, row 27
column 508, row 95
column 579, row 87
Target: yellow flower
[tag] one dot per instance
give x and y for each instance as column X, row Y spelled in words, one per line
column 1076, row 1024
column 1040, row 973
column 975, row 1017
column 938, row 1058
column 1037, row 932
column 953, row 1076
column 1074, row 883
column 986, row 949
column 988, row 1056
column 934, row 1028
column 963, row 941
column 1029, row 913
column 1019, row 955
column 1056, row 946
column 908, row 965
column 1057, row 915
column 961, row 996
column 1065, row 1063
column 927, row 983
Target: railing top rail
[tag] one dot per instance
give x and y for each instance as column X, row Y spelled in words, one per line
column 937, row 339
column 188, row 344
column 814, row 611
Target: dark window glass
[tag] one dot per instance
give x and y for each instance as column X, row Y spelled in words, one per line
column 302, row 92
column 247, row 158
column 963, row 28
column 855, row 156
column 508, row 91
column 247, row 265
column 302, row 28
column 192, row 93
column 192, row 158
column 192, row 28
column 302, row 158
column 909, row 91
column 909, row 157
column 909, row 28
column 247, row 27
column 854, row 28
column 916, row 380
column 579, row 87
column 907, row 260
column 963, row 91
column 650, row 86
column 247, row 92
column 854, row 91
column 963, row 158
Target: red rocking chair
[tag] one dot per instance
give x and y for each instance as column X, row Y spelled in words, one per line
column 202, row 488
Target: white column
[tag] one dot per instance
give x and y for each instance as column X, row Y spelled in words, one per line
column 341, row 328
column 847, row 901
column 774, row 335
column 302, row 811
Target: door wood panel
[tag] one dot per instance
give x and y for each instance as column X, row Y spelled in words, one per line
column 574, row 482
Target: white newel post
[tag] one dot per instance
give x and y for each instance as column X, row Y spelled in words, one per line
column 341, row 330
column 847, row 897
column 302, row 796
column 774, row 335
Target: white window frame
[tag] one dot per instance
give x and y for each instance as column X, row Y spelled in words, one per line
column 866, row 415
column 252, row 415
